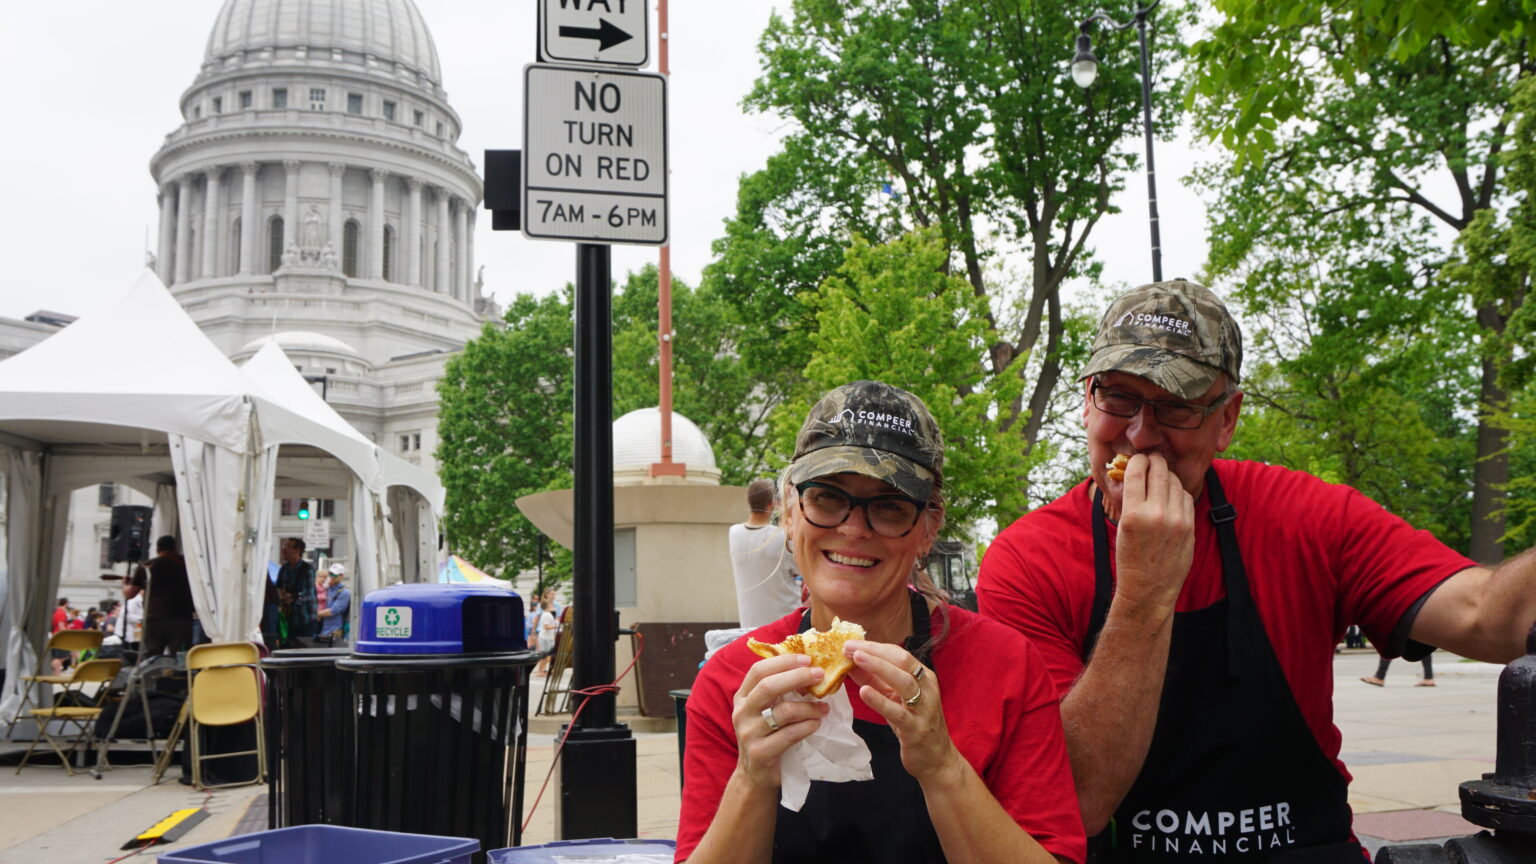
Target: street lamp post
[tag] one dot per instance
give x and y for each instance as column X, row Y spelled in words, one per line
column 1085, row 68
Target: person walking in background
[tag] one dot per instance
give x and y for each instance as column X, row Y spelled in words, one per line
column 1380, row 678
column 60, row 615
column 764, row 570
column 547, row 628
column 296, row 594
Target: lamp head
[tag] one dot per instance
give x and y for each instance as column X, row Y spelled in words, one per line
column 1085, row 67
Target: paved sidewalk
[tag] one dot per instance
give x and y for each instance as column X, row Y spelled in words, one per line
column 1408, row 748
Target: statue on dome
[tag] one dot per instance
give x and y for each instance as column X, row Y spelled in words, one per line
column 290, row 255
column 328, row 259
column 313, row 234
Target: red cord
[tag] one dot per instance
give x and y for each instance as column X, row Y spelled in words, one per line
column 586, row 694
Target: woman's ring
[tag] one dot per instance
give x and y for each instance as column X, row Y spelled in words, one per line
column 773, row 725
column 916, row 697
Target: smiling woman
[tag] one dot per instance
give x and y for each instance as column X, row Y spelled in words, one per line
column 975, row 770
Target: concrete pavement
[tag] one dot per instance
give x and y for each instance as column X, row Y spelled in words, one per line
column 1408, row 748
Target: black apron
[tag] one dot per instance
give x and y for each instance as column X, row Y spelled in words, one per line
column 1233, row 773
column 879, row 821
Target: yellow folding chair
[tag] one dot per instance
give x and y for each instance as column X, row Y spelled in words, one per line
column 73, row 709
column 64, row 640
column 225, row 691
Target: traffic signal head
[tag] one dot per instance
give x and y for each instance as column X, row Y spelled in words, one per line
column 304, row 510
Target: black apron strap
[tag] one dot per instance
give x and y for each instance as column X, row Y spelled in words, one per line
column 1239, row 598
column 1104, row 583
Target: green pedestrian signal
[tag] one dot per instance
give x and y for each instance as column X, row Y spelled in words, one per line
column 304, row 512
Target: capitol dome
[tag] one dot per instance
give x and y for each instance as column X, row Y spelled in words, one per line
column 637, row 444
column 378, row 35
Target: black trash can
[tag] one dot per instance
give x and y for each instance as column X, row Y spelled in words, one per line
column 309, row 738
column 439, row 708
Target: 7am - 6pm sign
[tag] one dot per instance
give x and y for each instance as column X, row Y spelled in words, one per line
column 594, row 155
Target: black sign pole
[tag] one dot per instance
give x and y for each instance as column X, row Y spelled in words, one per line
column 597, row 767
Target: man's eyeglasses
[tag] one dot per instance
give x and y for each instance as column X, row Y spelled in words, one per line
column 1178, row 415
column 827, row 506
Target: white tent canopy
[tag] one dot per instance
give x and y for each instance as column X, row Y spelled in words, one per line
column 136, row 393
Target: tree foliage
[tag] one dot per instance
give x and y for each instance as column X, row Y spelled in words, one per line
column 954, row 116
column 1369, row 133
column 892, row 313
column 506, row 424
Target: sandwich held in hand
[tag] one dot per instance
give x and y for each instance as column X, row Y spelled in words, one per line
column 1115, row 468
column 824, row 648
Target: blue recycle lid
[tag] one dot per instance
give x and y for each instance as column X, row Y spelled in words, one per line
column 441, row 618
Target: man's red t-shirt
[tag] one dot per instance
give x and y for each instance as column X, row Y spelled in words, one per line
column 60, row 618
column 999, row 705
column 1319, row 557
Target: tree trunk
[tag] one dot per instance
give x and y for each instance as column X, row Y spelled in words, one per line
column 1490, row 473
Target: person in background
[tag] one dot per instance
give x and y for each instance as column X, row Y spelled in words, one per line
column 764, row 570
column 1380, row 678
column 129, row 625
column 333, row 618
column 548, row 626
column 60, row 615
column 168, row 601
column 296, row 592
column 321, row 594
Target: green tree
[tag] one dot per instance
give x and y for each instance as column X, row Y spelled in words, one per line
column 506, row 422
column 505, row 430
column 892, row 313
column 950, row 115
column 1394, row 100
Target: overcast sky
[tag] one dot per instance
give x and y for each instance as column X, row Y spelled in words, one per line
column 93, row 87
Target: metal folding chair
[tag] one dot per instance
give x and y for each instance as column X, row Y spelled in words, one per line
column 73, row 709
column 225, row 691
column 64, row 640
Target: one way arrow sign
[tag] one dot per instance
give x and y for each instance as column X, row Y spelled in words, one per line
column 602, row 32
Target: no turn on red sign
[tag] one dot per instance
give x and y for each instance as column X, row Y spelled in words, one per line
column 594, row 155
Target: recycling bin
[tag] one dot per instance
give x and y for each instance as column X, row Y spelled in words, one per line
column 309, row 738
column 589, row 852
column 327, row 844
column 438, row 683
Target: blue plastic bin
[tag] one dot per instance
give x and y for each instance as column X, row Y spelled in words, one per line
column 588, row 852
column 328, row 844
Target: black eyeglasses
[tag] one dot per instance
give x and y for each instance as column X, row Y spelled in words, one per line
column 1178, row 415
column 827, row 506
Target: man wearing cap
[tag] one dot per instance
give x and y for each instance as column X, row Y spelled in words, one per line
column 333, row 617
column 1188, row 611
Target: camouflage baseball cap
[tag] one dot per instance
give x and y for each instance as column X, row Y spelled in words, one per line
column 1176, row 334
column 874, row 429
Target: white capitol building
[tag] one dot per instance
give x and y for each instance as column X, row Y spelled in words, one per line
column 315, row 195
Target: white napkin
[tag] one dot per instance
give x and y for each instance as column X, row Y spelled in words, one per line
column 834, row 752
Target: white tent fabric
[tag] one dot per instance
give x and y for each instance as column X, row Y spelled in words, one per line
column 24, row 494
column 136, row 393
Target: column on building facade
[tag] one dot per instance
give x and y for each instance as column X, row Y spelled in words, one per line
column 211, row 222
column 249, row 216
column 184, row 227
column 376, row 224
column 291, row 204
column 165, row 258
column 461, row 249
column 469, row 245
column 337, row 211
column 444, row 244
column 413, row 234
